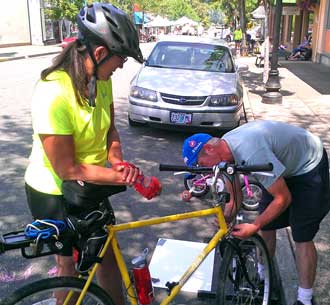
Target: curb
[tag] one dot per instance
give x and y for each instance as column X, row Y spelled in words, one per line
column 28, row 56
column 285, row 263
column 286, row 276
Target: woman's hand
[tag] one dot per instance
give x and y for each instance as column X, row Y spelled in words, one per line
column 130, row 172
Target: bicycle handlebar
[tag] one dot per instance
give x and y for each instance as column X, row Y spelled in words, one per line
column 223, row 166
column 184, row 168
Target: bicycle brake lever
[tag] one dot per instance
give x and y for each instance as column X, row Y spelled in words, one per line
column 180, row 173
column 263, row 174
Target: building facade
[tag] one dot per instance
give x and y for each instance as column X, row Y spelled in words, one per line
column 26, row 25
column 321, row 27
column 307, row 17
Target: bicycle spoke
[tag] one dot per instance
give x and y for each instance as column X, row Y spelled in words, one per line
column 240, row 282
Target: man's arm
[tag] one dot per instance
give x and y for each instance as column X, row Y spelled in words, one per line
column 281, row 200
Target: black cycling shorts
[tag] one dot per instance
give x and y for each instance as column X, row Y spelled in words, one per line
column 47, row 206
column 310, row 203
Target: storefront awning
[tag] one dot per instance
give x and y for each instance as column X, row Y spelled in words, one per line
column 259, row 12
column 140, row 18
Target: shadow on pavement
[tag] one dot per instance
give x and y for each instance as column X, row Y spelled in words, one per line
column 315, row 75
column 253, row 82
column 9, row 54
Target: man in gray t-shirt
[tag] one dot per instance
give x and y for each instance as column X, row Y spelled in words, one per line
column 296, row 195
column 292, row 150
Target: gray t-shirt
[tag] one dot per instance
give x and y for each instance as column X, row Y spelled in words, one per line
column 292, row 150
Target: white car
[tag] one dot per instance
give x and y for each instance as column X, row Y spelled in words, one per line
column 187, row 82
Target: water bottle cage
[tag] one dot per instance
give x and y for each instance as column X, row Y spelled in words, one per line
column 170, row 286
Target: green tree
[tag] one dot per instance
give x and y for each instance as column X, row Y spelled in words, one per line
column 60, row 9
column 125, row 5
column 175, row 9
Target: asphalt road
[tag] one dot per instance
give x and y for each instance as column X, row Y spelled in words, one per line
column 143, row 146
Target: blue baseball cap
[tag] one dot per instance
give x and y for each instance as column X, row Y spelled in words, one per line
column 192, row 146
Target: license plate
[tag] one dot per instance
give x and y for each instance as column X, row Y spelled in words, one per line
column 180, row 118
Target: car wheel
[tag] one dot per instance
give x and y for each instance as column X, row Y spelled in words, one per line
column 134, row 123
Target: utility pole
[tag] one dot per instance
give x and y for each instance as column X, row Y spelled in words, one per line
column 266, row 44
column 243, row 25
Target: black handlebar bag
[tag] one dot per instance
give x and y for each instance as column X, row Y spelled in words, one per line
column 88, row 212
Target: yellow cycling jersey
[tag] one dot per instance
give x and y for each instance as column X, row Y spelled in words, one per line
column 55, row 111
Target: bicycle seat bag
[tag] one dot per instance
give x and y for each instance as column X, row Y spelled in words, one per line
column 88, row 212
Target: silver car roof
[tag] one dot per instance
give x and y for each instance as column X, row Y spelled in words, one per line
column 193, row 39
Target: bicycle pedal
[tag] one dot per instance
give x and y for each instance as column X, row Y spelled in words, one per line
column 203, row 294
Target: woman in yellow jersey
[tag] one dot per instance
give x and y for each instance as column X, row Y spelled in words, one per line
column 73, row 122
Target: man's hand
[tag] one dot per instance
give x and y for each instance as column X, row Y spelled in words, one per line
column 244, row 230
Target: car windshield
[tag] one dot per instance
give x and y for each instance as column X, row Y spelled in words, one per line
column 191, row 56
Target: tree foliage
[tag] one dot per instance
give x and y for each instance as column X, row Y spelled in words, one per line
column 205, row 11
column 60, row 9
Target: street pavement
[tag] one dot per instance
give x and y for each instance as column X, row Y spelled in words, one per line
column 305, row 87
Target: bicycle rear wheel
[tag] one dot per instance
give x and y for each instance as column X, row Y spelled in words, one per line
column 234, row 287
column 42, row 292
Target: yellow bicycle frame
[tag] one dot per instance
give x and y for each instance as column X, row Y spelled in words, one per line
column 112, row 229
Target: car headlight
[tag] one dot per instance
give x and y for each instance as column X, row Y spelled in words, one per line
column 223, row 100
column 142, row 93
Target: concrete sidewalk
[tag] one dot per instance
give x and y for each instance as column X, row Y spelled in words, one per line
column 21, row 52
column 306, row 107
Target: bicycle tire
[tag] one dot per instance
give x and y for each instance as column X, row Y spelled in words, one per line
column 233, row 287
column 251, row 204
column 198, row 191
column 42, row 292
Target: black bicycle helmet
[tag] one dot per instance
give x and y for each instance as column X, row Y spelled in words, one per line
column 106, row 25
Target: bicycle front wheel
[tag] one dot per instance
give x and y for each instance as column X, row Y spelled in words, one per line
column 43, row 292
column 251, row 202
column 239, row 280
column 197, row 189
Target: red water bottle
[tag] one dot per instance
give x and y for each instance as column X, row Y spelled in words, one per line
column 142, row 279
column 148, row 187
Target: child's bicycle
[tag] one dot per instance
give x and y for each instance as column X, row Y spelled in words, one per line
column 236, row 282
column 198, row 185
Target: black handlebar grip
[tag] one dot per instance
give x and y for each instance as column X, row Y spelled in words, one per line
column 255, row 168
column 174, row 168
column 238, row 168
column 184, row 168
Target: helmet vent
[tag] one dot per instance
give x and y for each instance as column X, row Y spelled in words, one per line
column 108, row 16
column 106, row 9
column 90, row 16
column 109, row 19
column 117, row 37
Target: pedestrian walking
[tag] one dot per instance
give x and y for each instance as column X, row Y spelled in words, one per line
column 238, row 36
